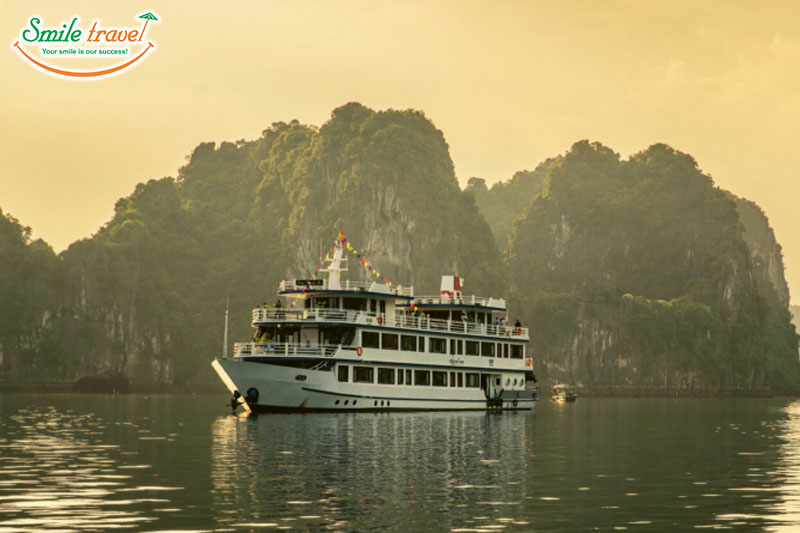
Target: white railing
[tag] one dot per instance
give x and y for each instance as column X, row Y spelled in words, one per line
column 402, row 320
column 346, row 285
column 444, row 299
column 245, row 349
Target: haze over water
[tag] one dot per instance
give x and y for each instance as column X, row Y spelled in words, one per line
column 154, row 463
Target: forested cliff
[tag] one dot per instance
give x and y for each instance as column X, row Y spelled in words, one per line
column 145, row 296
column 641, row 276
column 634, row 275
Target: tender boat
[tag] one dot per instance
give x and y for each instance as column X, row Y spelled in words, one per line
column 353, row 346
column 563, row 393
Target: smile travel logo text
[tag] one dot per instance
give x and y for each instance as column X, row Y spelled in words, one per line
column 59, row 47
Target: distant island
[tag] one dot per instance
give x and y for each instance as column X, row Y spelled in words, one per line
column 636, row 276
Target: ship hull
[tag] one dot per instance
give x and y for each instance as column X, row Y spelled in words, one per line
column 259, row 386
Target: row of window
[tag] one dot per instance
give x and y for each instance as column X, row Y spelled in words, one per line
column 414, row 343
column 399, row 376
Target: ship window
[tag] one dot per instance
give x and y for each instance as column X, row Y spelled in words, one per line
column 386, row 376
column 505, row 350
column 473, row 380
column 389, row 341
column 383, row 307
column 421, row 345
column 436, row 345
column 363, row 374
column 408, row 343
column 439, row 379
column 460, row 379
column 344, row 373
column 354, row 304
column 369, row 339
column 516, row 351
column 471, row 348
column 487, row 349
column 326, row 303
column 422, row 377
column 408, row 377
column 456, row 347
column 452, row 379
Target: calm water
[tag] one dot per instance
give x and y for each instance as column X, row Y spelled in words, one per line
column 156, row 463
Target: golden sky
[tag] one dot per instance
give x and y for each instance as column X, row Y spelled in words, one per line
column 509, row 83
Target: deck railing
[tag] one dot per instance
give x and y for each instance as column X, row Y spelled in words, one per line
column 244, row 349
column 445, row 299
column 402, row 320
column 346, row 285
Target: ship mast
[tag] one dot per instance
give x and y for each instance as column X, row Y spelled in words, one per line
column 225, row 338
column 338, row 264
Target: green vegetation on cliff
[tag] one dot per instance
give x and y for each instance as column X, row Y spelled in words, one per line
column 31, row 285
column 505, row 201
column 636, row 274
column 145, row 296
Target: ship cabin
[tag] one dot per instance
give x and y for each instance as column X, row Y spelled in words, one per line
column 314, row 319
column 318, row 318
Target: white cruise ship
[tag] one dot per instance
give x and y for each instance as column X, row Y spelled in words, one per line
column 333, row 345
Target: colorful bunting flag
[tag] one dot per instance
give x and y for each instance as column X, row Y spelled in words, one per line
column 361, row 259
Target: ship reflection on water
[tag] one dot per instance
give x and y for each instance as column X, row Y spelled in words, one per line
column 426, row 471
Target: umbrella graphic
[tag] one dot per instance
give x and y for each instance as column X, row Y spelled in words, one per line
column 147, row 18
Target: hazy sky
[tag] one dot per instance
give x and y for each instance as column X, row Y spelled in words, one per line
column 509, row 84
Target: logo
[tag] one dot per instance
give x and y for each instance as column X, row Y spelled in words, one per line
column 71, row 50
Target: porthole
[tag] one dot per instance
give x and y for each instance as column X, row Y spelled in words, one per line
column 376, row 403
column 346, row 402
column 300, row 377
column 381, row 403
column 388, row 402
column 354, row 402
column 336, row 402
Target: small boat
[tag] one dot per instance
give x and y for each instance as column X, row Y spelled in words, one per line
column 564, row 393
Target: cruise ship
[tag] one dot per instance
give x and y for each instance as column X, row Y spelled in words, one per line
column 329, row 344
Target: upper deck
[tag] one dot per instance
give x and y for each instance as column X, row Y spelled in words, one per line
column 405, row 321
column 446, row 300
column 303, row 286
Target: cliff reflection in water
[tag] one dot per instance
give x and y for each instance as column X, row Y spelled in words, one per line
column 786, row 507
column 178, row 462
column 437, row 470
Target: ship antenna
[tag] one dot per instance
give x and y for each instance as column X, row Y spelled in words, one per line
column 225, row 339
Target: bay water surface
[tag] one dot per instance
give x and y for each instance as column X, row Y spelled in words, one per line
column 184, row 462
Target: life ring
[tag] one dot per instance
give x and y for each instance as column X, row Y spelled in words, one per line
column 380, row 320
column 359, row 351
